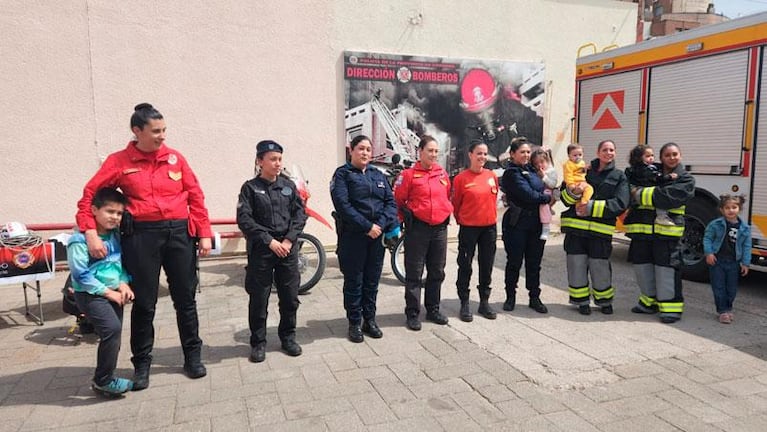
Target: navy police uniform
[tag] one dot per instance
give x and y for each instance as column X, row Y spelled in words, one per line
column 521, row 237
column 361, row 199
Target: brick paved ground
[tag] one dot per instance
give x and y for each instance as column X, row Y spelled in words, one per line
column 523, row 371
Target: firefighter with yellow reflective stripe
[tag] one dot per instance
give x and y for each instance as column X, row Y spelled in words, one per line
column 589, row 229
column 655, row 249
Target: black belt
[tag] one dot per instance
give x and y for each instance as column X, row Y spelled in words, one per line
column 154, row 225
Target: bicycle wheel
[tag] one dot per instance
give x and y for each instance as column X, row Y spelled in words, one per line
column 311, row 261
column 398, row 259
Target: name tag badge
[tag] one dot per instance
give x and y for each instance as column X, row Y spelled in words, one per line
column 174, row 175
column 443, row 181
column 286, row 191
column 131, row 170
column 469, row 185
column 380, row 184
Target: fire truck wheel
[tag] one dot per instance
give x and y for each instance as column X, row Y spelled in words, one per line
column 698, row 214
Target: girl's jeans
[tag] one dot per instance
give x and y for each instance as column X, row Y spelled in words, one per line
column 724, row 283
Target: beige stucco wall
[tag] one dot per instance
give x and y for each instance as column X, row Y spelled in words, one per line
column 228, row 73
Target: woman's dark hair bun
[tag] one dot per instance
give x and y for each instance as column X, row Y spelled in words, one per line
column 142, row 106
column 142, row 113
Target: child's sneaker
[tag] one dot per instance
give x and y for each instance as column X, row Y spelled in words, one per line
column 725, row 318
column 664, row 220
column 114, row 388
column 545, row 232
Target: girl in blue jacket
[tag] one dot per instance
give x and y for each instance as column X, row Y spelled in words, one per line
column 727, row 245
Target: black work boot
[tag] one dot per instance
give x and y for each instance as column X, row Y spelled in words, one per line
column 370, row 328
column 536, row 305
column 485, row 310
column 665, row 319
column 291, row 347
column 509, row 304
column 195, row 370
column 355, row 333
column 141, row 377
column 642, row 309
column 511, row 300
column 465, row 313
column 584, row 310
column 435, row 316
column 413, row 323
column 193, row 367
column 258, row 353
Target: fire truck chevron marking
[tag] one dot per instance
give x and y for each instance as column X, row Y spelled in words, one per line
column 604, row 104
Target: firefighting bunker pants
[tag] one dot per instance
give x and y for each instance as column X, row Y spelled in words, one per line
column 657, row 266
column 589, row 256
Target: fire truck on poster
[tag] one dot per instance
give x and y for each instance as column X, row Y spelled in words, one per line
column 704, row 89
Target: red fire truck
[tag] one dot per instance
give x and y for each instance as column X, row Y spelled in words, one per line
column 703, row 89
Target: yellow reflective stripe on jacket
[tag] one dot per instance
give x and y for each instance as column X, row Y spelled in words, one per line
column 579, row 292
column 664, row 230
column 646, row 198
column 670, row 231
column 567, row 198
column 638, row 228
column 678, row 210
column 606, row 294
column 647, row 301
column 602, row 228
column 598, row 209
column 671, row 307
column 586, row 225
column 574, row 223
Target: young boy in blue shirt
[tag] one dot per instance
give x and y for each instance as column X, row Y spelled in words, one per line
column 101, row 288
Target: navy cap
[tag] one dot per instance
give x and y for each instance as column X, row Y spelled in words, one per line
column 267, row 146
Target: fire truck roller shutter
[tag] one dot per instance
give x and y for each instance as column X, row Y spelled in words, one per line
column 699, row 104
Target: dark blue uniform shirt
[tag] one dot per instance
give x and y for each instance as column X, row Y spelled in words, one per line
column 363, row 198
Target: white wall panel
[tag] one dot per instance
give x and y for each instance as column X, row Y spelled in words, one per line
column 226, row 74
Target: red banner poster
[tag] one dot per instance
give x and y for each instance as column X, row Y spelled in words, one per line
column 26, row 264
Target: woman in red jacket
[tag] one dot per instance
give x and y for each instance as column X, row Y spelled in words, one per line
column 423, row 192
column 475, row 196
column 165, row 218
